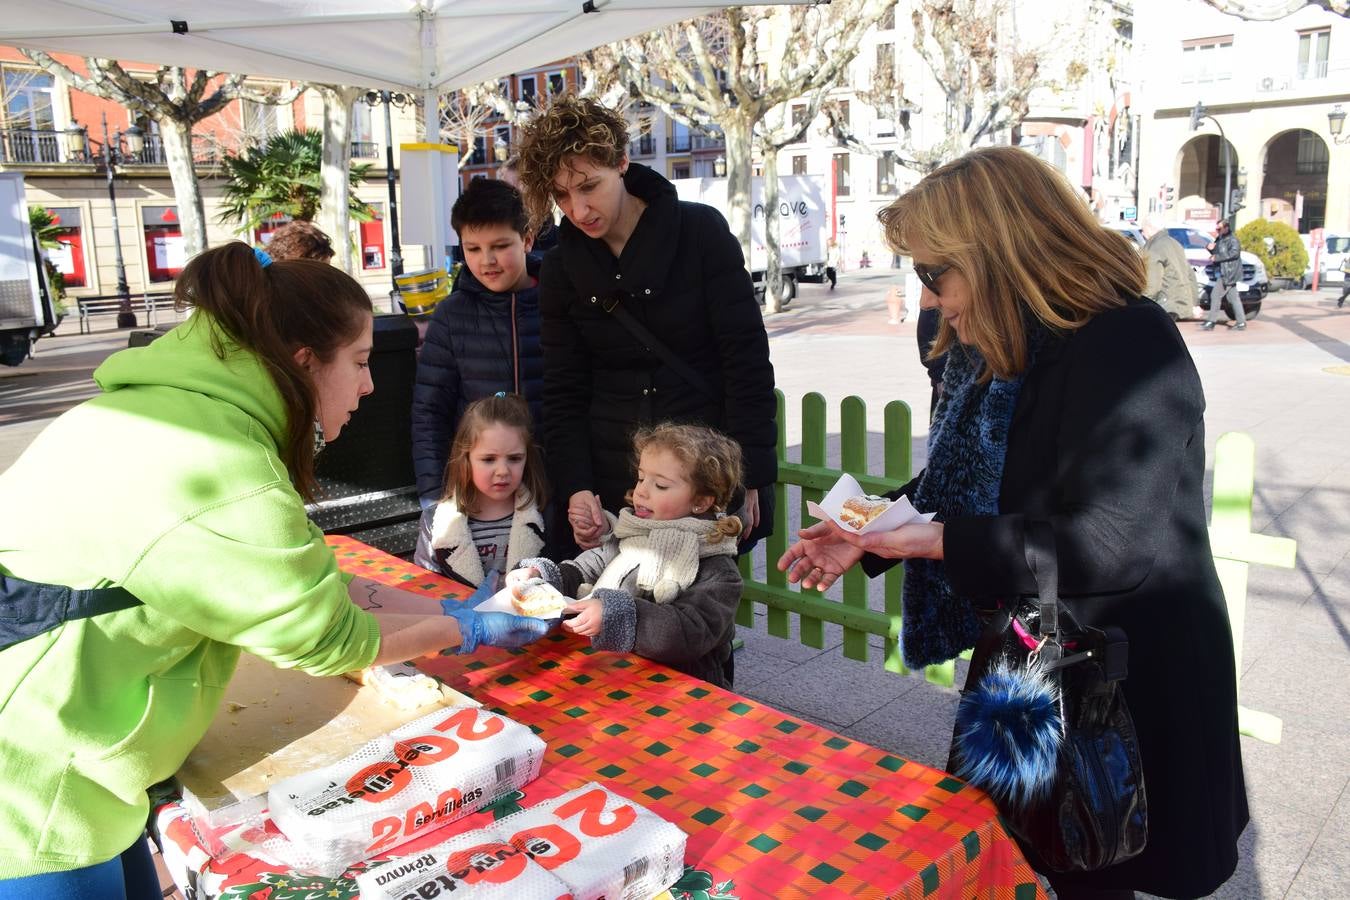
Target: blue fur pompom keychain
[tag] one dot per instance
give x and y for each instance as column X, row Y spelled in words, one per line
column 1008, row 734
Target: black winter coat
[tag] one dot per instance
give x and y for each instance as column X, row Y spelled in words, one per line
column 1107, row 444
column 478, row 343
column 683, row 276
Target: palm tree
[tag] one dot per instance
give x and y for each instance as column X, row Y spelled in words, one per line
column 281, row 178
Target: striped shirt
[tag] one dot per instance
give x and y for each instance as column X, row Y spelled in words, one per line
column 491, row 536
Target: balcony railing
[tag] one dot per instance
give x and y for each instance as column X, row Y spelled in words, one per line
column 709, row 142
column 678, row 143
column 365, row 150
column 643, row 146
column 40, row 147
column 33, row 146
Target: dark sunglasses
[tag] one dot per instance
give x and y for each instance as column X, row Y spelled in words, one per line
column 930, row 275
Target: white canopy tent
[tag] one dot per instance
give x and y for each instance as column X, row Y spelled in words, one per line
column 428, row 47
column 425, row 46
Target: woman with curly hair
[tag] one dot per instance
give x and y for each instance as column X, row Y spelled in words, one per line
column 648, row 314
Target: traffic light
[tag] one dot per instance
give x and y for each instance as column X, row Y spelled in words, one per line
column 1197, row 114
column 1235, row 198
column 1166, row 195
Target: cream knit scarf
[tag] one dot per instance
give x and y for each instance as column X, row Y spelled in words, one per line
column 666, row 554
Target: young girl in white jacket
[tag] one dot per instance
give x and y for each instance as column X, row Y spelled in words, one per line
column 488, row 517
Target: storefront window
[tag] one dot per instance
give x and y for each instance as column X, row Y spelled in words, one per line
column 165, row 251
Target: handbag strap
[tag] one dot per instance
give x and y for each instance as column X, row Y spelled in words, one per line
column 652, row 343
column 1039, row 547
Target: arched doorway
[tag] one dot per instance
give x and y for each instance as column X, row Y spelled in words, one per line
column 1295, row 164
column 1201, row 167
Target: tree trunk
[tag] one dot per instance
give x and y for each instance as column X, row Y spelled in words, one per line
column 177, row 139
column 334, row 214
column 737, row 132
column 773, row 272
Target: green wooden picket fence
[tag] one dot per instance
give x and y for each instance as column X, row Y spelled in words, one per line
column 809, row 480
column 1235, row 547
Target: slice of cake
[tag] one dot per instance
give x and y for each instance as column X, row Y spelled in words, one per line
column 538, row 599
column 858, row 511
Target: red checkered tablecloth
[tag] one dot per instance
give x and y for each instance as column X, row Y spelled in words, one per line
column 773, row 805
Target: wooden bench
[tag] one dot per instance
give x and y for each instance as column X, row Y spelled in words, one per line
column 111, row 304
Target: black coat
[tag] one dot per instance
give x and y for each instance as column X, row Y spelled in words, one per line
column 681, row 275
column 473, row 349
column 1107, row 443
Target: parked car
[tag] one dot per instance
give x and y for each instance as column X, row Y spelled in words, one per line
column 1333, row 254
column 1255, row 282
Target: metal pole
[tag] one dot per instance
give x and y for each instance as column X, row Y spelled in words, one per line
column 395, row 252
column 126, row 317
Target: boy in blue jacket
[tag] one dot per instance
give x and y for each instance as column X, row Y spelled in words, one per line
column 484, row 337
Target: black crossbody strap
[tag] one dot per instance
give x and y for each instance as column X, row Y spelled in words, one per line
column 29, row 608
column 664, row 353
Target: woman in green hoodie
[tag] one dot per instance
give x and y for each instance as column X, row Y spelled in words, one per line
column 174, row 537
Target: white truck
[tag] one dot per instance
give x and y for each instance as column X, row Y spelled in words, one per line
column 25, row 307
column 803, row 220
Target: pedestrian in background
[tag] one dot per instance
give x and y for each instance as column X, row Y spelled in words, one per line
column 1227, row 255
column 927, row 332
column 1171, row 280
column 1345, row 282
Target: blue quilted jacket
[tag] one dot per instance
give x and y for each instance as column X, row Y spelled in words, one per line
column 478, row 343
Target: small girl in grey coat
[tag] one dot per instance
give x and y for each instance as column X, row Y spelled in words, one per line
column 664, row 583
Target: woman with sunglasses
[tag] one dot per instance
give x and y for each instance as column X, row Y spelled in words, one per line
column 648, row 315
column 1071, row 400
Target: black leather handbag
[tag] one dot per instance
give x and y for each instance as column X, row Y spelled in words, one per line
column 1045, row 729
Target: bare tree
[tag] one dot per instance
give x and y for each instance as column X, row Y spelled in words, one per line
column 985, row 74
column 1270, row 10
column 725, row 71
column 176, row 102
column 776, row 130
column 462, row 120
column 334, row 208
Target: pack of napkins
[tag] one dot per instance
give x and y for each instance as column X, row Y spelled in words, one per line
column 586, row 844
column 420, row 776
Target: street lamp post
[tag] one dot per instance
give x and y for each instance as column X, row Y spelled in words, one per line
column 1198, row 114
column 391, row 98
column 111, row 155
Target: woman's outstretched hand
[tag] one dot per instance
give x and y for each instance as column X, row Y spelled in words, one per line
column 819, row 558
column 826, row 551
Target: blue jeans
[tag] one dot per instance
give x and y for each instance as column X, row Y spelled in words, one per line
column 131, row 876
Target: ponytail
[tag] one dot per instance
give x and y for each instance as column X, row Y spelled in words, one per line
column 272, row 312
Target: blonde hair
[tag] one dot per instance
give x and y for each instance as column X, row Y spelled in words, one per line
column 510, row 411
column 712, row 460
column 1014, row 228
column 569, row 126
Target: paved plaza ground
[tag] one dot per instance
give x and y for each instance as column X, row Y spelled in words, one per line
column 1285, row 381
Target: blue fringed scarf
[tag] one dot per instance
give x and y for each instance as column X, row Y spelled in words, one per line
column 967, row 444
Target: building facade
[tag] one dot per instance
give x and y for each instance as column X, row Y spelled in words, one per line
column 40, row 116
column 1272, row 88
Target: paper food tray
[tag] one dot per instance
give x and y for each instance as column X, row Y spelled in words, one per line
column 501, row 602
column 901, row 512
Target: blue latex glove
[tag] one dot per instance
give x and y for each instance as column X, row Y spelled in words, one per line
column 496, row 629
column 481, row 593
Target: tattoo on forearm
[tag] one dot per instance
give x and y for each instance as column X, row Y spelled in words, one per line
column 371, row 602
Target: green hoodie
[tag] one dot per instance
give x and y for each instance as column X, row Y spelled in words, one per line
column 170, row 485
